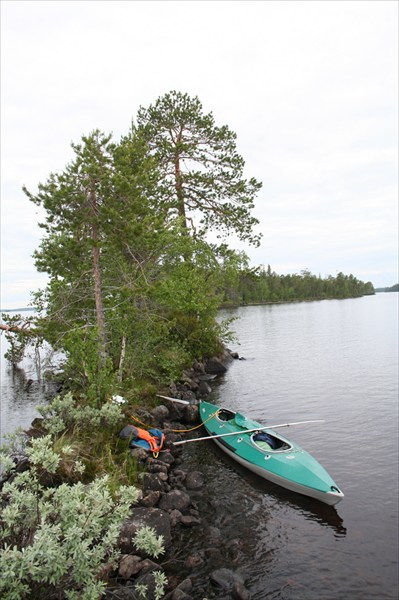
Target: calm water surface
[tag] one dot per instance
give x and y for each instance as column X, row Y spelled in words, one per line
column 332, row 360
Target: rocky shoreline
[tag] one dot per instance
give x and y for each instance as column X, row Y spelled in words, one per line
column 168, row 501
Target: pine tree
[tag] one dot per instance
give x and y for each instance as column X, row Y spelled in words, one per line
column 201, row 172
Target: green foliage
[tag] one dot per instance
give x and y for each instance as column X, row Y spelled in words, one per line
column 85, row 367
column 19, row 337
column 54, row 541
column 201, row 172
column 147, row 540
column 132, row 296
column 64, row 414
column 160, row 581
column 88, row 436
column 260, row 285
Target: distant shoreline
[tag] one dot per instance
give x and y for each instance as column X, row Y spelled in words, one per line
column 7, row 310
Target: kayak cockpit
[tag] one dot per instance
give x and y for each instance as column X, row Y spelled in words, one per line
column 268, row 442
column 225, row 415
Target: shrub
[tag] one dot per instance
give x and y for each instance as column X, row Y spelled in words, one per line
column 54, row 541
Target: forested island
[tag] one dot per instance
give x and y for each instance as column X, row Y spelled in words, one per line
column 393, row 288
column 132, row 300
column 260, row 285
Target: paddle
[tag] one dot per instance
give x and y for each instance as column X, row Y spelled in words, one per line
column 173, row 399
column 212, row 437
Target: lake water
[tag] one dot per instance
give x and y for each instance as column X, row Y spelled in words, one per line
column 21, row 391
column 335, row 360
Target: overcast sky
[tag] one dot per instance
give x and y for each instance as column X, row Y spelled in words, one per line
column 310, row 88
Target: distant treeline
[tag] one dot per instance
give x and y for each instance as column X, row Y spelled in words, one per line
column 263, row 285
column 394, row 288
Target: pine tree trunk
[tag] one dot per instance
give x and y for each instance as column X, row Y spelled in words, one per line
column 179, row 191
column 97, row 285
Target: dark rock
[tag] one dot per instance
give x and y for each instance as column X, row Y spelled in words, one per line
column 122, row 593
column 179, row 474
column 215, row 366
column 180, row 595
column 213, row 534
column 206, row 377
column 225, row 578
column 239, row 591
column 185, row 586
column 189, row 520
column 139, row 454
column 203, row 389
column 194, row 480
column 234, row 355
column 157, row 467
column 166, row 459
column 179, row 591
column 190, row 414
column 189, row 396
column 174, row 410
column 152, row 482
column 175, row 499
column 149, row 565
column 129, row 565
column 215, row 556
column 151, row 499
column 160, row 414
column 158, row 519
column 175, row 517
column 193, row 561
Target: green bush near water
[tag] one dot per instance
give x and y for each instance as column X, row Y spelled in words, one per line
column 60, row 519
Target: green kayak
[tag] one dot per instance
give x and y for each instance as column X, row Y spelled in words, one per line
column 269, row 454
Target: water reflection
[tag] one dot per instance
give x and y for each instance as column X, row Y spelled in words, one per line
column 20, row 395
column 274, row 495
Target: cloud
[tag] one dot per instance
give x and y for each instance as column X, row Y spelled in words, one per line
column 310, row 88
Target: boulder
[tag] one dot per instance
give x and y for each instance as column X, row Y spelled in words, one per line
column 204, row 389
column 175, row 499
column 158, row 519
column 190, row 414
column 151, row 499
column 160, row 414
column 189, row 396
column 194, row 480
column 193, row 561
column 225, row 578
column 153, row 482
column 214, row 366
column 139, row 454
column 175, row 517
column 129, row 566
column 239, row 591
column 189, row 520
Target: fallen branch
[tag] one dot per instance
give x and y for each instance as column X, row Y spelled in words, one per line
column 17, row 329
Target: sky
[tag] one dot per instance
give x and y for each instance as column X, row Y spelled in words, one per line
column 309, row 87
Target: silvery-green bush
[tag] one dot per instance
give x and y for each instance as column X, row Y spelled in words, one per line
column 55, row 541
column 63, row 412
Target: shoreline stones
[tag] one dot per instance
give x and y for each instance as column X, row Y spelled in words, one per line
column 166, row 504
